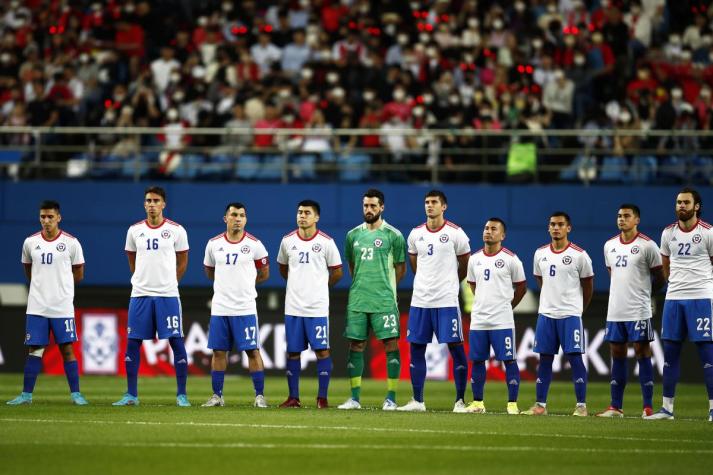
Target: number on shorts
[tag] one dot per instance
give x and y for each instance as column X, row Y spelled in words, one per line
column 703, row 324
column 640, row 325
column 455, row 324
column 486, row 274
column 367, row 253
column 69, row 325
column 508, row 343
column 250, row 333
column 321, row 331
column 553, row 269
column 47, row 258
column 577, row 337
column 172, row 322
column 389, row 321
column 304, row 257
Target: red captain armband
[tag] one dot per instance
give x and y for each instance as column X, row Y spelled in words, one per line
column 260, row 263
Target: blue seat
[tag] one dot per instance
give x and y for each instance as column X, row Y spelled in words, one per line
column 614, row 170
column 354, row 167
column 219, row 167
column 303, row 167
column 135, row 167
column 571, row 171
column 271, row 168
column 702, row 170
column 672, row 169
column 107, row 166
column 8, row 157
column 188, row 169
column 643, row 169
column 247, row 167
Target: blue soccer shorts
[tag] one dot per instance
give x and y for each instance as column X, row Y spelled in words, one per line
column 502, row 341
column 444, row 322
column 37, row 330
column 551, row 333
column 149, row 316
column 687, row 318
column 241, row 332
column 300, row 331
column 637, row 331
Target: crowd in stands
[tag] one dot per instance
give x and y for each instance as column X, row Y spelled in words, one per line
column 377, row 64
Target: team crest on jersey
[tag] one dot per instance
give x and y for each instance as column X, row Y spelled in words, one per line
column 635, row 250
column 443, row 238
column 378, row 242
column 566, row 260
column 61, row 247
column 165, row 234
column 245, row 249
column 696, row 238
column 499, row 263
column 317, row 247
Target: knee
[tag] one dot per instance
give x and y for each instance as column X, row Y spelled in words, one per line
column 67, row 351
column 619, row 351
column 321, row 354
column 359, row 345
column 642, row 350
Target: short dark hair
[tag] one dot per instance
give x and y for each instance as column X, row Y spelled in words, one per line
column 312, row 204
column 236, row 205
column 49, row 204
column 498, row 220
column 156, row 190
column 438, row 194
column 632, row 207
column 696, row 198
column 374, row 193
column 561, row 214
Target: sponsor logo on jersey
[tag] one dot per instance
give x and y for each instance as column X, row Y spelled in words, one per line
column 696, row 238
column 538, row 381
column 544, row 259
column 294, row 248
column 635, row 250
column 706, row 334
column 567, row 260
column 614, row 383
column 165, row 234
column 175, row 332
column 499, row 263
column 707, row 365
column 513, row 382
column 443, row 238
column 317, row 247
column 220, row 250
column 613, row 250
column 674, row 239
column 38, row 247
column 142, row 235
column 182, row 361
column 128, row 359
column 420, row 239
column 245, row 249
column 356, row 243
column 61, row 247
column 378, row 242
column 454, row 335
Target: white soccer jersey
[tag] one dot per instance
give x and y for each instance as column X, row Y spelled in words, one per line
column 236, row 265
column 52, row 284
column 494, row 277
column 436, row 283
column 155, row 248
column 630, row 264
column 561, row 294
column 690, row 253
column 309, row 262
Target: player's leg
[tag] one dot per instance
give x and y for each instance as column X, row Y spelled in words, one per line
column 140, row 327
column 317, row 332
column 296, row 344
column 700, row 328
column 169, row 325
column 356, row 332
column 420, row 333
column 36, row 339
column 257, row 374
column 705, row 352
column 571, row 334
column 386, row 327
column 503, row 342
column 449, row 329
column 616, row 335
column 643, row 353
column 247, row 338
column 673, row 332
column 65, row 334
column 220, row 340
column 547, row 345
column 479, row 342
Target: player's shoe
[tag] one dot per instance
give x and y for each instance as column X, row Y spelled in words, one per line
column 127, row 400
column 78, row 399
column 322, row 403
column 260, row 401
column 182, row 401
column 536, row 410
column 389, row 405
column 214, row 401
column 611, row 411
column 459, row 407
column 23, row 398
column 648, row 411
column 580, row 410
column 661, row 414
column 710, row 415
column 476, row 407
column 512, row 408
column 291, row 402
column 349, row 404
column 413, row 406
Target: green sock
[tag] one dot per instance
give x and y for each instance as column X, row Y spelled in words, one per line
column 393, row 371
column 355, row 368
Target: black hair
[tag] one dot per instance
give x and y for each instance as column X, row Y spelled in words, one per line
column 236, row 205
column 438, row 194
column 312, row 204
column 561, row 214
column 374, row 193
column 49, row 204
column 498, row 220
column 632, row 207
column 156, row 190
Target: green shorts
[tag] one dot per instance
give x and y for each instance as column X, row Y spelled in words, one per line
column 384, row 324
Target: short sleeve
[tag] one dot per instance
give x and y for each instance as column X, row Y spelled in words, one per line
column 181, row 242
column 462, row 243
column 535, row 267
column 282, row 257
column 654, row 257
column 399, row 248
column 77, row 254
column 209, row 259
column 585, row 267
column 334, row 260
column 411, row 243
column 26, row 255
column 665, row 237
column 517, row 270
column 710, row 243
column 470, row 276
column 130, row 243
column 607, row 264
column 260, row 256
column 348, row 249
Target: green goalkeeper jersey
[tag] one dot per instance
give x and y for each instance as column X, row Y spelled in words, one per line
column 373, row 255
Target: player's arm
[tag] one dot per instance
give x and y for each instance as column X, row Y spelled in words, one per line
column 284, row 270
column 335, row 275
column 666, row 267
column 132, row 261
column 209, row 272
column 538, row 278
column 587, row 291
column 520, row 291
column 181, row 264
column 472, row 287
column 263, row 273
column 400, row 268
column 28, row 271
column 413, row 260
column 463, row 266
column 658, row 279
column 78, row 273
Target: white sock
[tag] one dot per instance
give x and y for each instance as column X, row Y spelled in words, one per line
column 542, row 404
column 581, row 404
column 710, row 404
column 668, row 404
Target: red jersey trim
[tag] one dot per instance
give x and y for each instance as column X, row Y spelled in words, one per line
column 435, row 230
column 692, row 228
column 464, row 254
column 576, row 247
column 520, row 282
column 155, row 227
column 77, row 266
column 485, row 253
column 704, row 224
column 586, row 278
column 129, row 252
column 420, row 226
column 217, row 237
column 656, row 267
column 250, row 236
column 325, row 235
column 335, row 267
column 225, row 235
column 209, row 267
column 616, row 236
column 672, row 225
column 307, row 240
column 182, row 252
column 51, row 240
column 171, row 222
column 479, row 250
column 412, row 253
column 453, row 225
column 508, row 252
column 33, row 235
column 559, row 252
column 621, row 240
column 644, row 237
column 288, row 235
column 542, row 247
column 68, row 235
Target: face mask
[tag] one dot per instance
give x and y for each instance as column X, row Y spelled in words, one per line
column 537, row 43
column 284, row 93
column 551, row 8
column 227, row 7
column 306, row 73
column 338, row 93
column 332, row 77
column 579, row 60
column 175, row 78
column 520, row 7
column 399, row 95
column 428, row 99
column 498, row 24
column 418, row 112
column 453, row 100
column 402, row 39
column 369, row 96
column 676, row 93
column 570, row 40
column 172, row 115
column 473, row 23
column 390, row 29
column 178, row 96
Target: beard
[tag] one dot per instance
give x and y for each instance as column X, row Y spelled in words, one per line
column 372, row 218
column 684, row 215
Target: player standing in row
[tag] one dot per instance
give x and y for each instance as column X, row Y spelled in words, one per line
column 53, row 263
column 375, row 251
column 632, row 259
column 310, row 263
column 687, row 254
column 564, row 273
column 235, row 261
column 157, row 249
column 438, row 254
column 499, row 278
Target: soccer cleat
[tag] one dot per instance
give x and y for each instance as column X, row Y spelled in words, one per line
column 127, row 400
column 349, row 404
column 413, row 406
column 292, row 402
column 23, row 398
column 78, row 399
column 214, row 401
column 536, row 410
column 459, row 407
column 710, row 415
column 389, row 405
column 476, row 407
column 512, row 408
column 611, row 411
column 260, row 401
column 322, row 403
column 661, row 414
column 580, row 410
column 647, row 411
column 182, row 401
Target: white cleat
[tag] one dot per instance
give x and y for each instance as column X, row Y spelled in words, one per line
column 260, row 401
column 476, row 407
column 214, row 401
column 459, row 407
column 512, row 408
column 413, row 406
column 349, row 404
column 388, row 405
column 661, row 414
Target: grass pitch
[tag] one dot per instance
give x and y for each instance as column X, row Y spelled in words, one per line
column 156, row 437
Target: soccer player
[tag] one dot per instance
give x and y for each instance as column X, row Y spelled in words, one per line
column 157, row 249
column 438, row 253
column 375, row 251
column 235, row 261
column 53, row 263
column 632, row 259
column 564, row 273
column 310, row 263
column 499, row 277
column 687, row 254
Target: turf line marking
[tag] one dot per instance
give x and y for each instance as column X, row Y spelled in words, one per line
column 353, row 429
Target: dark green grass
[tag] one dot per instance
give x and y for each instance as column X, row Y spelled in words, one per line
column 55, row 437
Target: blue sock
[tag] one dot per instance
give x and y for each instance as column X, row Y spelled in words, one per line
column 71, row 369
column 180, row 362
column 131, row 362
column 618, row 381
column 324, row 372
column 579, row 377
column 418, row 370
column 293, row 377
column 217, row 378
column 460, row 370
column 477, row 380
column 33, row 366
column 705, row 352
column 258, row 382
column 544, row 377
column 646, row 379
column 671, row 366
column 512, row 378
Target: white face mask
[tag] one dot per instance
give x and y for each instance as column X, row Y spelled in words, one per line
column 579, row 60
column 473, row 23
column 369, row 96
column 570, row 40
column 175, row 78
column 428, row 99
column 497, row 24
column 676, row 93
column 306, row 73
column 390, row 29
column 537, row 43
column 402, row 39
column 399, row 95
column 172, row 115
column 520, row 7
column 332, row 77
column 338, row 93
column 418, row 112
column 178, row 96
